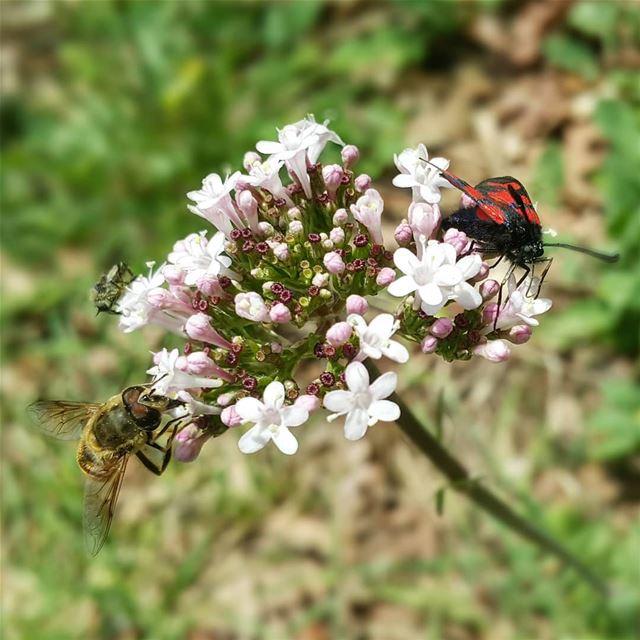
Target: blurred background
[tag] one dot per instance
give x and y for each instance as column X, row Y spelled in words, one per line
column 112, row 110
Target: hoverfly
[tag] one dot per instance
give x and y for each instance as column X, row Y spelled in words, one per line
column 108, row 290
column 110, row 433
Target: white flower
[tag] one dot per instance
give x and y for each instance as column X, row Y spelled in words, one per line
column 167, row 378
column 363, row 404
column 272, row 420
column 193, row 407
column 436, row 276
column 368, row 211
column 214, row 203
column 375, row 339
column 134, row 307
column 251, row 306
column 424, row 179
column 266, row 175
column 297, row 142
column 522, row 304
column 199, row 257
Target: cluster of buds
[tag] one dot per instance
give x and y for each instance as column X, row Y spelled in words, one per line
column 286, row 275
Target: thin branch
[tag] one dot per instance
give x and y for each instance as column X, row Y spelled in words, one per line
column 463, row 482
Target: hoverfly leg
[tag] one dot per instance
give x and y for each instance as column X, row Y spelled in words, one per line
column 158, row 462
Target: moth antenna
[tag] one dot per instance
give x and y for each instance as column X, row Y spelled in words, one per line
column 605, row 257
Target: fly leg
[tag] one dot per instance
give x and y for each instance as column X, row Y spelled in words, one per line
column 156, row 457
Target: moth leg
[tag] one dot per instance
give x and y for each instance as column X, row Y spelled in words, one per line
column 548, row 262
column 505, row 280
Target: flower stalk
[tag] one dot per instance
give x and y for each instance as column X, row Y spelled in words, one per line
column 461, row 480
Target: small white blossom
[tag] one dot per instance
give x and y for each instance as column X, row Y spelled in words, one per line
column 199, row 257
column 363, row 404
column 168, row 378
column 272, row 420
column 266, row 175
column 423, row 178
column 375, row 339
column 368, row 212
column 522, row 304
column 436, row 276
column 297, row 142
column 214, row 203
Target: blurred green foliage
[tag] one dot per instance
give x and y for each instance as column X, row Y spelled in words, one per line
column 125, row 107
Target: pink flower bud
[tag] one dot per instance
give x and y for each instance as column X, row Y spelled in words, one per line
column 333, row 262
column 336, row 235
column 295, row 228
column 424, row 219
column 189, row 442
column 160, row 298
column 251, row 306
column 489, row 314
column 320, row 280
column 279, row 313
column 403, row 234
column 368, row 211
column 173, row 275
column 362, row 182
column 493, row 350
column 294, row 213
column 276, row 347
column 350, row 155
column 182, row 364
column 225, row 398
column 458, row 239
column 357, row 304
column 385, row 276
column 441, row 328
column 340, row 217
column 198, row 327
column 210, row 285
column 200, row 364
column 339, row 333
column 265, row 229
column 230, row 417
column 332, row 174
column 250, row 158
column 489, row 288
column 520, row 334
column 280, row 250
column 466, row 201
column 429, row 344
column 248, row 205
column 307, row 402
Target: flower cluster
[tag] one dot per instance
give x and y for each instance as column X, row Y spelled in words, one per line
column 284, row 274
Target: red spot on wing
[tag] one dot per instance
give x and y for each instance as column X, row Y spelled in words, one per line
column 511, row 193
column 487, row 209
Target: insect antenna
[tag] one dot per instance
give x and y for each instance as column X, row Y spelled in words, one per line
column 605, row 257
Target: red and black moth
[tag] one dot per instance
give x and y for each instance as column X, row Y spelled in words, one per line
column 503, row 221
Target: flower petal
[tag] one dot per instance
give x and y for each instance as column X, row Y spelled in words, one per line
column 402, row 287
column 396, row 352
column 338, row 401
column 469, row 266
column 356, row 424
column 384, row 386
column 254, row 439
column 249, row 409
column 467, row 297
column 383, row 325
column 357, row 377
column 447, row 275
column 269, row 147
column 403, row 181
column 285, row 441
column 406, row 261
column 294, row 416
column 431, row 294
column 385, row 410
column 274, row 395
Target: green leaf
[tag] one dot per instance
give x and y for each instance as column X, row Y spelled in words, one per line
column 571, row 55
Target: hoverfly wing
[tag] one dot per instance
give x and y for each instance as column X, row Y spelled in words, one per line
column 100, row 497
column 62, row 419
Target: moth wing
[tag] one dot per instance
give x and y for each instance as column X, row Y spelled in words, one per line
column 100, row 497
column 62, row 419
column 511, row 192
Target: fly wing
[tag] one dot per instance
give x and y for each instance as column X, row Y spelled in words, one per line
column 512, row 194
column 100, row 497
column 62, row 419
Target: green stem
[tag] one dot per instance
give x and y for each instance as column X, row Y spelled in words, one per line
column 462, row 481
